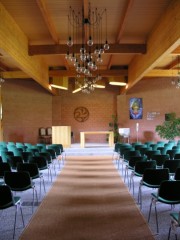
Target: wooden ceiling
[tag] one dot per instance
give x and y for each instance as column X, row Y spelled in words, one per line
column 144, row 39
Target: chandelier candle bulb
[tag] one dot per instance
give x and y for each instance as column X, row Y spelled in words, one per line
column 86, row 44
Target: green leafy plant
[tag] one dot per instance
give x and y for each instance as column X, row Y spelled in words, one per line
column 114, row 127
column 170, row 128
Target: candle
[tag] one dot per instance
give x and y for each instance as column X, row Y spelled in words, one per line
column 137, row 127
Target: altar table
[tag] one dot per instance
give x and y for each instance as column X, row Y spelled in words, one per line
column 110, row 133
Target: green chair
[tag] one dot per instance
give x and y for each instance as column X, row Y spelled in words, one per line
column 177, row 156
column 139, row 170
column 49, row 160
column 172, row 153
column 172, row 165
column 131, row 165
column 168, row 193
column 160, row 159
column 26, row 156
column 19, row 182
column 14, row 160
column 6, row 155
column 4, row 167
column 7, row 200
column 34, row 173
column 42, row 164
column 152, row 178
column 150, row 153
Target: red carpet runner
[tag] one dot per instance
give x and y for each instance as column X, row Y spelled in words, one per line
column 89, row 201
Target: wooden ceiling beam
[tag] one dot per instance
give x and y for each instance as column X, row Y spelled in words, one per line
column 104, row 73
column 48, row 21
column 162, row 73
column 124, row 19
column 164, row 39
column 121, row 28
column 173, row 64
column 63, row 73
column 15, row 44
column 62, row 49
column 176, row 51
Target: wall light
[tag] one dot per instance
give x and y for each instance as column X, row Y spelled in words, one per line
column 118, row 81
column 59, row 82
column 100, row 84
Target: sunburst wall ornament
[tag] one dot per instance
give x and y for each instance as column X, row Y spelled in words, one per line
column 81, row 114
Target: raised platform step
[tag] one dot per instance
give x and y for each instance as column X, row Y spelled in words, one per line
column 91, row 149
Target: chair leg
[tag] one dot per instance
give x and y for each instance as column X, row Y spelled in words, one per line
column 21, row 214
column 149, row 215
column 140, row 194
column 16, row 207
column 34, row 191
column 157, row 225
column 169, row 232
column 131, row 182
column 125, row 173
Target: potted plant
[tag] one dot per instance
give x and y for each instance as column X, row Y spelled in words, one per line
column 170, row 127
column 114, row 127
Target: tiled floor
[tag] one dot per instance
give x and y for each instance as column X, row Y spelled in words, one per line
column 7, row 219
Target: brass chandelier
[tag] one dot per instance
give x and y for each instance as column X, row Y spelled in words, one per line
column 87, row 41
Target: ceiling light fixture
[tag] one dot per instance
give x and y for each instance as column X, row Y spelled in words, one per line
column 85, row 44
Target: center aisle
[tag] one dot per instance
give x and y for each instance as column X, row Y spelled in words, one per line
column 88, row 201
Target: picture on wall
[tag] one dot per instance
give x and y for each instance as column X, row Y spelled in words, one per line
column 135, row 108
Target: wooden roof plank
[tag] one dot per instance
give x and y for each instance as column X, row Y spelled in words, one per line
column 164, row 39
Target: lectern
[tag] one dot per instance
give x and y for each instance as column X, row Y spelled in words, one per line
column 61, row 135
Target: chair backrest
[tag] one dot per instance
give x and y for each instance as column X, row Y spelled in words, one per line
column 150, row 153
column 129, row 153
column 4, row 167
column 26, row 156
column 177, row 174
column 52, row 152
column 172, row 165
column 6, row 199
column 170, row 190
column 149, row 143
column 134, row 159
column 5, row 155
column 160, row 159
column 141, row 166
column 172, row 152
column 177, row 156
column 144, row 149
column 40, row 161
column 42, row 131
column 55, row 148
column 49, row 131
column 32, row 168
column 155, row 176
column 125, row 149
column 14, row 160
column 18, row 181
column 47, row 155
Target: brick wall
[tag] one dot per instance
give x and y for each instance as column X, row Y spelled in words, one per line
column 27, row 107
column 101, row 104
column 158, row 96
